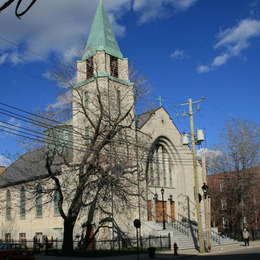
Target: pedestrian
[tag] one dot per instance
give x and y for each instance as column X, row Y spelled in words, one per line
column 246, row 236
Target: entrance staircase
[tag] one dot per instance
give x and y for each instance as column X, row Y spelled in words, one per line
column 184, row 234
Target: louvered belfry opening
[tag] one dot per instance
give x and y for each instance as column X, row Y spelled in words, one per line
column 90, row 69
column 114, row 66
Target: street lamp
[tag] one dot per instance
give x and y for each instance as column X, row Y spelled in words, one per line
column 155, row 197
column 170, row 199
column 205, row 188
column 162, row 191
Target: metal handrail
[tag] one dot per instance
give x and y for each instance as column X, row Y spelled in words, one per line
column 214, row 235
column 181, row 227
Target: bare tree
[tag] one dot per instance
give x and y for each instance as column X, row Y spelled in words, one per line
column 91, row 159
column 237, row 162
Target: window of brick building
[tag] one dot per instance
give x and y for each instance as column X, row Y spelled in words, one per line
column 224, row 204
column 225, row 222
column 222, row 186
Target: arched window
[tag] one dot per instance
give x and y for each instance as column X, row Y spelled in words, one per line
column 22, row 202
column 56, row 202
column 170, row 175
column 163, row 164
column 157, row 167
column 151, row 171
column 8, row 204
column 39, row 200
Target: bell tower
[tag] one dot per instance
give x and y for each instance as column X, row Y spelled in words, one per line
column 103, row 85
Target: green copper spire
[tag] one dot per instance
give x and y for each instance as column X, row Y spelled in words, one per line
column 101, row 37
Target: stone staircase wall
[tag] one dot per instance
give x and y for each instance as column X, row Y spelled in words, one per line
column 184, row 241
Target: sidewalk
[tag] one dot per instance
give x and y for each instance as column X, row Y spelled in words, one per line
column 163, row 255
column 215, row 250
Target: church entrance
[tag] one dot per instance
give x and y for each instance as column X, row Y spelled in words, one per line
column 159, row 211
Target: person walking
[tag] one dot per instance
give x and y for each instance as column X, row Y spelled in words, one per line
column 246, row 236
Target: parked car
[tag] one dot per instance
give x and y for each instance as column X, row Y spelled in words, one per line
column 12, row 251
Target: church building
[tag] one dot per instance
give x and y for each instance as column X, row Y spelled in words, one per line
column 118, row 165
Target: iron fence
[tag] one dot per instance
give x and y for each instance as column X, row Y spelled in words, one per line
column 238, row 235
column 50, row 244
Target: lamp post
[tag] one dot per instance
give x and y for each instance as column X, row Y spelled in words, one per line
column 156, row 200
column 162, row 191
column 171, row 201
column 205, row 188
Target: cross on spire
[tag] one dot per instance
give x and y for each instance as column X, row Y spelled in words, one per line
column 160, row 100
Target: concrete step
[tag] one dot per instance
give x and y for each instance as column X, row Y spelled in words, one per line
column 184, row 241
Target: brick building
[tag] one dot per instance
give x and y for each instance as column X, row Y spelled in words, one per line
column 235, row 200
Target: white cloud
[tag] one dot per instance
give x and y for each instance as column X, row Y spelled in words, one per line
column 220, row 60
column 3, row 58
column 154, row 9
column 179, row 54
column 238, row 36
column 202, row 69
column 4, row 161
column 210, row 154
column 233, row 41
column 182, row 4
column 53, row 27
column 117, row 27
column 13, row 124
column 63, row 100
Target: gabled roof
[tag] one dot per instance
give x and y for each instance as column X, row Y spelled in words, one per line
column 30, row 166
column 142, row 119
column 101, row 37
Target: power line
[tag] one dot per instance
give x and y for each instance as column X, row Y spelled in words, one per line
column 119, row 155
column 27, row 73
column 219, row 109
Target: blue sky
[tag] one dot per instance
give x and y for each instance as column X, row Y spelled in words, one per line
column 186, row 48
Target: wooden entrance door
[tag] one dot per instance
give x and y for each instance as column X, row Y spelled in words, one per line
column 150, row 218
column 159, row 211
column 172, row 211
column 90, row 241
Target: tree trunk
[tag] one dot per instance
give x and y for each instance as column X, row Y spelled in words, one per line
column 67, row 246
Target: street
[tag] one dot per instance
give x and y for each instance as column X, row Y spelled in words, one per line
column 237, row 254
column 250, row 253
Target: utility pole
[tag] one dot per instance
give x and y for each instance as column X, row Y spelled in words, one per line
column 138, row 181
column 201, row 239
column 206, row 208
